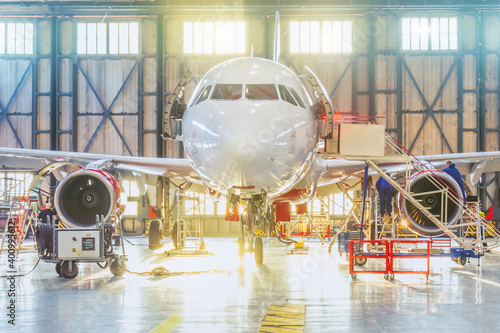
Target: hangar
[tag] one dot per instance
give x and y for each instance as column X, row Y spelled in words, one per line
column 222, row 159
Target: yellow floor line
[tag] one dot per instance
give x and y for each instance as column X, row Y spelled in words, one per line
column 168, row 325
column 284, row 318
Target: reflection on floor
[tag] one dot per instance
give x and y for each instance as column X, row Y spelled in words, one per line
column 222, row 295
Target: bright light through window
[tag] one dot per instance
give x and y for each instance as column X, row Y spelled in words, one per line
column 207, row 37
column 325, row 37
column 202, row 204
column 131, row 190
column 340, row 203
column 14, row 184
column 93, row 38
column 436, row 33
column 16, row 38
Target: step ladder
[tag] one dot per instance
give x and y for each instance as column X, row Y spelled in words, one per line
column 188, row 234
column 20, row 220
column 471, row 214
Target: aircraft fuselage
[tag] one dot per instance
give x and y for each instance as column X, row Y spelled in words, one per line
column 249, row 127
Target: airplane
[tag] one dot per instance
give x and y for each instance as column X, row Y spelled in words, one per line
column 250, row 132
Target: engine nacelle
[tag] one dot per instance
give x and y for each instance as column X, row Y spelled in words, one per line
column 416, row 220
column 84, row 194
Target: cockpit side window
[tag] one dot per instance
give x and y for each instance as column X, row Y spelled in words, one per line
column 297, row 97
column 229, row 92
column 285, row 95
column 261, row 92
column 205, row 92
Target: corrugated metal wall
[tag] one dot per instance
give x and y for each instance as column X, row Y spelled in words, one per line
column 433, row 101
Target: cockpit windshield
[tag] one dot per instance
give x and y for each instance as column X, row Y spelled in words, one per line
column 285, row 95
column 297, row 97
column 261, row 92
column 229, row 92
column 203, row 95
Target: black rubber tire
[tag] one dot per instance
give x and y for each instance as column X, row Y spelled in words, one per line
column 241, row 247
column 154, row 235
column 462, row 260
column 58, row 268
column 116, row 269
column 360, row 261
column 65, row 270
column 259, row 251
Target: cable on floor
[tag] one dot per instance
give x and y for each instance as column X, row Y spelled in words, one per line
column 18, row 275
column 162, row 271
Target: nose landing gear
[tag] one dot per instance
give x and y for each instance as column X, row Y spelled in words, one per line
column 257, row 248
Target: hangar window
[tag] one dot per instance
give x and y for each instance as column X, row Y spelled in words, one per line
column 108, row 38
column 130, row 198
column 324, row 36
column 261, row 91
column 230, row 92
column 202, row 204
column 435, row 33
column 14, row 184
column 214, row 37
column 16, row 38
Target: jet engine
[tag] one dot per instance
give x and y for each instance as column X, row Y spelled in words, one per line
column 429, row 196
column 84, row 194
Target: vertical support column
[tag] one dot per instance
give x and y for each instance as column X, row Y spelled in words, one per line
column 160, row 82
column 140, row 104
column 460, row 93
column 267, row 31
column 481, row 128
column 460, row 102
column 371, row 64
column 363, row 204
column 34, row 98
column 482, row 91
column 54, row 86
column 400, row 59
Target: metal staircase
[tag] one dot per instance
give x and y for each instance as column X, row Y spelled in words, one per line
column 471, row 216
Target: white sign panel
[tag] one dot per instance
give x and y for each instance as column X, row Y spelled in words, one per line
column 361, row 140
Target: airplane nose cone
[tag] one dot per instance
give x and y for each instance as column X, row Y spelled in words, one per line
column 247, row 145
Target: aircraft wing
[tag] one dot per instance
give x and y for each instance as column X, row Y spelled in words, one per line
column 33, row 159
column 470, row 164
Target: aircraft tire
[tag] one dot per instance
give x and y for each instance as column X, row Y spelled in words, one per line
column 154, row 235
column 259, row 251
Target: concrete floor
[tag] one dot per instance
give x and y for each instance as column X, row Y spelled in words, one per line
column 235, row 298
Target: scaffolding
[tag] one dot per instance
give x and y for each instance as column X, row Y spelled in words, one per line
column 467, row 233
column 187, row 236
column 20, row 220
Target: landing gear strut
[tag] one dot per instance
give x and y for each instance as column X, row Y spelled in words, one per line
column 248, row 226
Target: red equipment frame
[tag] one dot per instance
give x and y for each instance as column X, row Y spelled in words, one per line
column 389, row 256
